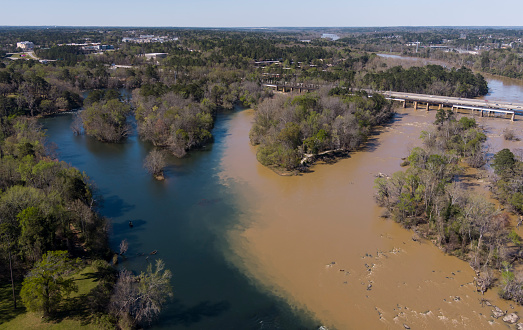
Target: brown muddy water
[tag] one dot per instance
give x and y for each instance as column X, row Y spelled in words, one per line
column 318, row 240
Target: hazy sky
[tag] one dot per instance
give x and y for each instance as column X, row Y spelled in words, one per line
column 247, row 13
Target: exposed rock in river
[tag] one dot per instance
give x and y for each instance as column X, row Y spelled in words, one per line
column 497, row 312
column 511, row 318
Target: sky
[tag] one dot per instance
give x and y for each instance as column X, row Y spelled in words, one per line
column 269, row 13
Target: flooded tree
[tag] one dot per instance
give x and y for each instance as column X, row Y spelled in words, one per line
column 76, row 125
column 154, row 163
column 124, row 246
column 107, row 121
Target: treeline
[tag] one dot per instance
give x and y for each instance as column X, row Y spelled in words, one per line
column 67, row 55
column 293, row 131
column 44, row 202
column 24, row 90
column 430, row 79
column 501, row 62
column 45, row 206
column 430, row 198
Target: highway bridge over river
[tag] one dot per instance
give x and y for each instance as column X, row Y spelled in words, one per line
column 481, row 107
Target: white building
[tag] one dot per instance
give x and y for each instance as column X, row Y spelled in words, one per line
column 25, row 45
column 150, row 56
column 331, row 36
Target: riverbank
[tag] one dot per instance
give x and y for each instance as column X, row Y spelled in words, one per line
column 318, row 240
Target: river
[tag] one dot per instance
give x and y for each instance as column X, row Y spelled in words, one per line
column 252, row 250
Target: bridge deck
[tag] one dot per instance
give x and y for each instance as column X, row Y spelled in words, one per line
column 455, row 101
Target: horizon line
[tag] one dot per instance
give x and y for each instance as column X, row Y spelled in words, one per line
column 266, row 27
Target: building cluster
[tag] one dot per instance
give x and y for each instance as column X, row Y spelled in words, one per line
column 92, row 47
column 25, row 45
column 143, row 39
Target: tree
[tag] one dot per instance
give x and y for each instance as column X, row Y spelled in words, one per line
column 76, row 125
column 141, row 297
column 124, row 246
column 107, row 120
column 503, row 161
column 36, row 233
column 46, row 284
column 154, row 163
column 7, row 242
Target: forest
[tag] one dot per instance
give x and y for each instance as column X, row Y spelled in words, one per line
column 51, row 232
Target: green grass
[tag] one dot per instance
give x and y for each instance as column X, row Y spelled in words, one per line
column 35, row 321
column 73, row 313
column 7, row 311
column 19, row 56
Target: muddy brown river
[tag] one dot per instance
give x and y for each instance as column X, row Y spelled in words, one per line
column 318, row 240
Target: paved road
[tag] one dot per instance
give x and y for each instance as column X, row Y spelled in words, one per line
column 33, row 56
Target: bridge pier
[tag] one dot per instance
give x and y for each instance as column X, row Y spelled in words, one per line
column 440, row 106
column 404, row 104
column 513, row 116
column 415, row 105
column 428, row 106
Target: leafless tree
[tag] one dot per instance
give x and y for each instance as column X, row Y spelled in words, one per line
column 484, row 280
column 141, row 298
column 509, row 135
column 123, row 246
column 154, row 163
column 76, row 125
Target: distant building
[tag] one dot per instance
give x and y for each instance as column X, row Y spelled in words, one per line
column 151, row 56
column 143, row 39
column 25, row 45
column 331, row 36
column 92, row 47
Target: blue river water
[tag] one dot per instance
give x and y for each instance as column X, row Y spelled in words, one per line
column 185, row 219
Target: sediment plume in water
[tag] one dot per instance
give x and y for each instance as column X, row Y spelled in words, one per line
column 318, row 240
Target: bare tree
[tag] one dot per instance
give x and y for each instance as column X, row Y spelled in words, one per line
column 124, row 246
column 140, row 298
column 484, row 280
column 76, row 125
column 154, row 163
column 509, row 135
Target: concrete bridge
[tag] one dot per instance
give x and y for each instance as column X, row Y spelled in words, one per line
column 455, row 103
